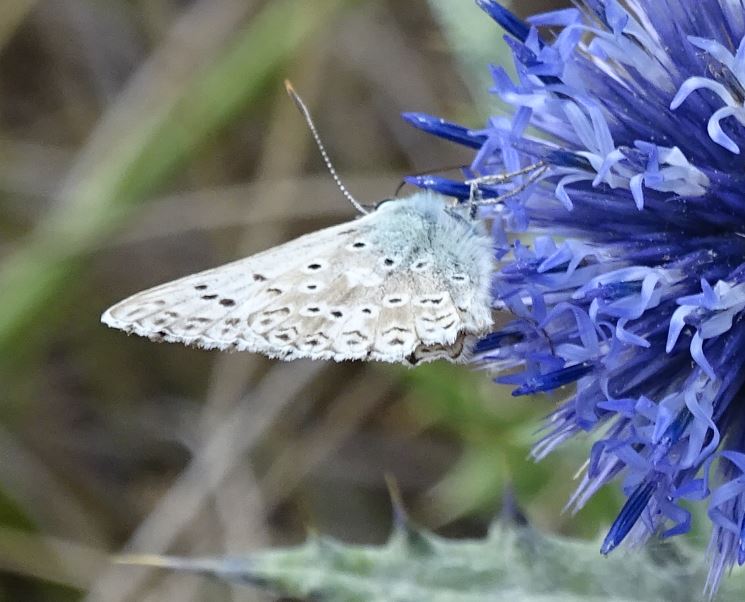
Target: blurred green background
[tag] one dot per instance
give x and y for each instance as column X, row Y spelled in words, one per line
column 146, row 139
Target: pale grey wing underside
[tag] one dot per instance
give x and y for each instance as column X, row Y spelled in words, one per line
column 342, row 293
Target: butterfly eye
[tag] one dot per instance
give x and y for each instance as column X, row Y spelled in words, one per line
column 379, row 204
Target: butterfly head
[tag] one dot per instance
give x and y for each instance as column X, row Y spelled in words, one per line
column 432, row 207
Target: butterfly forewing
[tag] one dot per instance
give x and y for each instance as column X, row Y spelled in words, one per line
column 407, row 283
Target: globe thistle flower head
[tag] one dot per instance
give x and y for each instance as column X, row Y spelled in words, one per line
column 621, row 243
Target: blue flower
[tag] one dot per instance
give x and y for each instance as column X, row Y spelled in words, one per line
column 623, row 253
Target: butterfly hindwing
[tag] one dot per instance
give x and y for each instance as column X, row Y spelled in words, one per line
column 404, row 284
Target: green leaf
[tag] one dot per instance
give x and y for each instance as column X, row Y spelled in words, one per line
column 511, row 563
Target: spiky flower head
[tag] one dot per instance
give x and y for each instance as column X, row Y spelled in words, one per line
column 623, row 251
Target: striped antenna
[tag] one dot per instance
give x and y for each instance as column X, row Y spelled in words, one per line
column 330, row 166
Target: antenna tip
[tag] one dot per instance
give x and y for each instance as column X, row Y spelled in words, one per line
column 294, row 95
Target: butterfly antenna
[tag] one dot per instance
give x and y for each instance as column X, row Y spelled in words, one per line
column 428, row 172
column 330, row 166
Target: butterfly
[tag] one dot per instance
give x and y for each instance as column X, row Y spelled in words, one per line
column 406, row 283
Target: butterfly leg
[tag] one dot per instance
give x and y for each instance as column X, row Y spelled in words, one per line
column 476, row 195
column 535, row 176
column 503, row 178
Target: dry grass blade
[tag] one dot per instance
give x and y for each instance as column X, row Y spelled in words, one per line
column 229, row 442
column 44, row 497
column 352, row 405
column 49, row 558
column 240, row 505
